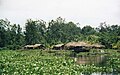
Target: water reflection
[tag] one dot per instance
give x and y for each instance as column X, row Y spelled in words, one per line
column 98, row 60
column 100, row 73
column 91, row 59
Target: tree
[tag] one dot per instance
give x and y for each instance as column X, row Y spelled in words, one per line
column 58, row 31
column 35, row 31
column 61, row 32
column 108, row 34
column 20, row 37
column 88, row 30
column 3, row 26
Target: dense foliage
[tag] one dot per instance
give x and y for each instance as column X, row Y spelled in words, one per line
column 50, row 62
column 12, row 36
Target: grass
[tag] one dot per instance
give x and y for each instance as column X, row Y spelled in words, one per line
column 47, row 62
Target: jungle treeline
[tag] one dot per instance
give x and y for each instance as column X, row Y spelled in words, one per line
column 13, row 36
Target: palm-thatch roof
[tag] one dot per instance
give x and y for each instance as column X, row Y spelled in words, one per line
column 33, row 46
column 58, row 45
column 29, row 46
column 97, row 46
column 78, row 46
column 84, row 44
column 75, row 44
column 36, row 45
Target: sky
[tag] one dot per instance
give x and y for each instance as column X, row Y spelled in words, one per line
column 84, row 12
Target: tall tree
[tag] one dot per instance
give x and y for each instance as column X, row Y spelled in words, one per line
column 20, row 36
column 35, row 31
column 4, row 24
column 60, row 32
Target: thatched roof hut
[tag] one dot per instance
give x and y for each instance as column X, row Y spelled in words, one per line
column 36, row 46
column 97, row 46
column 29, row 47
column 58, row 47
column 39, row 46
column 84, row 44
column 78, row 46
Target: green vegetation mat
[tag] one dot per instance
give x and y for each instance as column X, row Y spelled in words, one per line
column 51, row 62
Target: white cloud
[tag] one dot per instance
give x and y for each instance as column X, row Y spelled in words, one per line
column 83, row 11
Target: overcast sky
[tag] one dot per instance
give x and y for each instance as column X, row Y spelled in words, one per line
column 86, row 12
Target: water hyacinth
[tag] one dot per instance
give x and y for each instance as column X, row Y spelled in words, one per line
column 37, row 62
